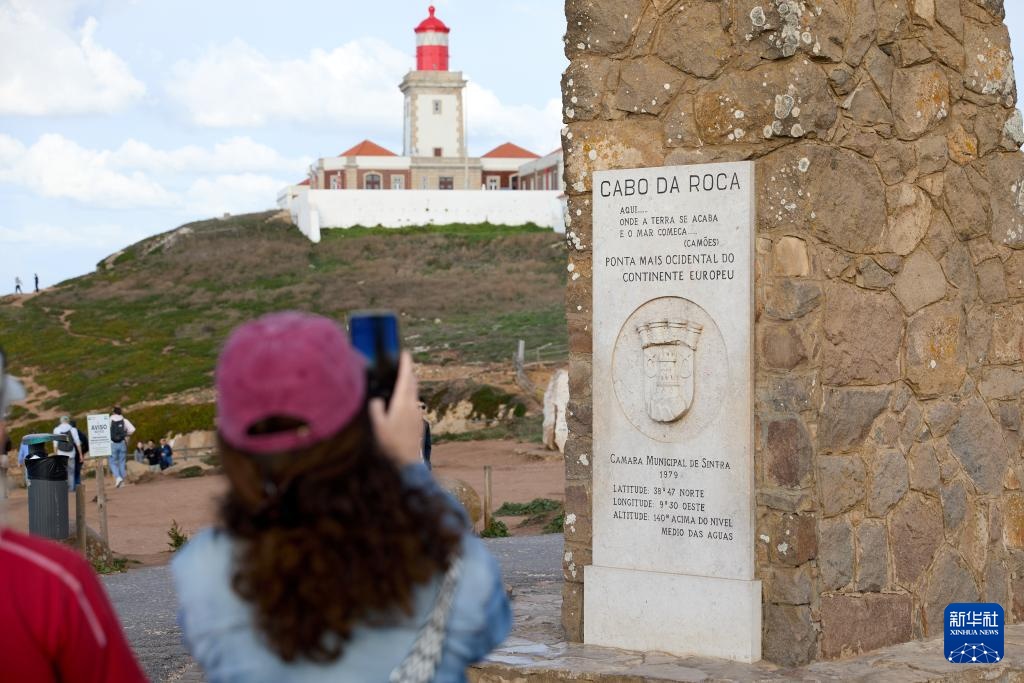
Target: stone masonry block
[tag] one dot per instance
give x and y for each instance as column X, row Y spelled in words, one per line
column 793, row 539
column 854, row 624
column 578, row 513
column 572, row 611
column 790, row 638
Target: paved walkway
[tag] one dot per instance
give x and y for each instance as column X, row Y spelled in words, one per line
column 145, row 601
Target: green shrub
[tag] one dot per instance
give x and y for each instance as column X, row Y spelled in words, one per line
column 177, row 537
column 112, row 565
column 528, row 429
column 555, row 526
column 190, row 472
column 534, row 507
column 497, row 529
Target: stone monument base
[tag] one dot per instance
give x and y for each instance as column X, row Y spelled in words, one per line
column 678, row 614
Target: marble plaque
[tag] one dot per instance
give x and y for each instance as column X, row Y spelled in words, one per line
column 673, row 312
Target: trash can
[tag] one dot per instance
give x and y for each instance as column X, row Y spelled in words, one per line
column 48, row 493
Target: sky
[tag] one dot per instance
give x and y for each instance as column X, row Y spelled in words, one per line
column 121, row 119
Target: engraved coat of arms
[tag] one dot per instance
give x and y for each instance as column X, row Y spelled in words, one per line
column 668, row 357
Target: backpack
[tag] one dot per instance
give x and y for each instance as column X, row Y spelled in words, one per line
column 65, row 442
column 118, row 432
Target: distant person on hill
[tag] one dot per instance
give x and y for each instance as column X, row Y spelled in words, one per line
column 120, row 429
column 81, row 456
column 59, row 625
column 37, row 281
column 17, row 285
column 71, row 450
column 338, row 557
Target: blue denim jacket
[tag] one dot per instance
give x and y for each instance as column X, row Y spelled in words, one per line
column 220, row 631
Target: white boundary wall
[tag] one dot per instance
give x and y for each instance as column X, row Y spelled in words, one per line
column 318, row 210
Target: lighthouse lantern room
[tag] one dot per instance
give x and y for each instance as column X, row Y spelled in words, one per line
column 433, row 121
column 432, row 44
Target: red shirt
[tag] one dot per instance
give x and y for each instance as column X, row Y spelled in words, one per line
column 57, row 622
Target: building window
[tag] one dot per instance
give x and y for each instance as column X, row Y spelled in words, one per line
column 437, row 106
column 335, row 182
column 493, row 182
column 437, row 151
column 371, row 181
column 397, row 182
column 425, row 183
column 446, row 182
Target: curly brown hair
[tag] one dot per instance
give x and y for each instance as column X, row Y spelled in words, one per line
column 329, row 538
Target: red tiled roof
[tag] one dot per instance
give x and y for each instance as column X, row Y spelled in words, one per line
column 510, row 151
column 305, row 182
column 366, row 148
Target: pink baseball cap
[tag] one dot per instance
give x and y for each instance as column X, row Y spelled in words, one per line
column 293, row 365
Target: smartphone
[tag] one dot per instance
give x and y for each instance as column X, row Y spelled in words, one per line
column 375, row 335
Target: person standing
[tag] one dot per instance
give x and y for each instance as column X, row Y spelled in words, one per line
column 22, row 455
column 17, row 285
column 120, row 429
column 84, row 440
column 71, row 450
column 60, row 624
column 37, row 281
column 425, row 446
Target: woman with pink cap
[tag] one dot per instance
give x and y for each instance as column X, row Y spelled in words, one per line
column 337, row 558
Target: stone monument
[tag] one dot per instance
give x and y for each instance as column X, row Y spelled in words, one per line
column 673, row 508
column 886, row 319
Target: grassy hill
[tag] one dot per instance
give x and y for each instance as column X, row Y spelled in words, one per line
column 148, row 324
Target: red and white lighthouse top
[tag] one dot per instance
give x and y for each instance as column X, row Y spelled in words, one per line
column 432, row 44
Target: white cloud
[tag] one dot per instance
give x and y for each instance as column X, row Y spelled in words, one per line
column 526, row 125
column 233, row 193
column 92, row 236
column 237, row 85
column 139, row 175
column 57, row 167
column 233, row 155
column 49, row 66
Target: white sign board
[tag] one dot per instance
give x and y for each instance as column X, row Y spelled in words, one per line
column 673, row 512
column 99, row 436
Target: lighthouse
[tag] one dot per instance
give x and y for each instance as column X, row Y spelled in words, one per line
column 433, row 117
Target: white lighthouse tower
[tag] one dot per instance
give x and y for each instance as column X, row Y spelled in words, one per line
column 433, row 97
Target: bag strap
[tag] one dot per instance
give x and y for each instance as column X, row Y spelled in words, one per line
column 420, row 665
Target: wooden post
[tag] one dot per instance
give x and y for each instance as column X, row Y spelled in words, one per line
column 101, row 501
column 487, row 496
column 522, row 379
column 83, row 532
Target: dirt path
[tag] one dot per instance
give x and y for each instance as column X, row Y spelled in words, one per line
column 18, row 300
column 38, row 394
column 140, row 515
column 66, row 324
